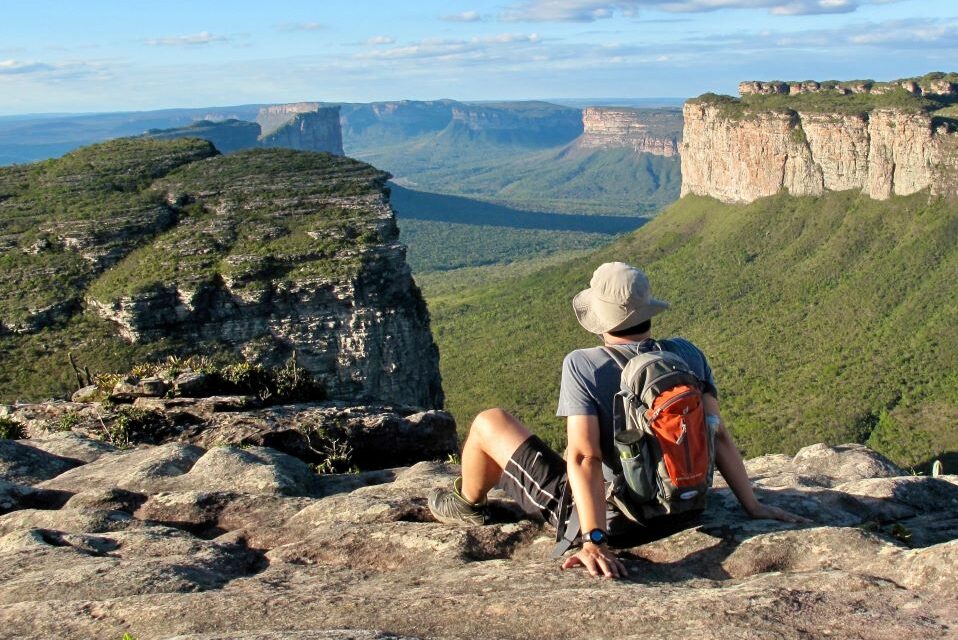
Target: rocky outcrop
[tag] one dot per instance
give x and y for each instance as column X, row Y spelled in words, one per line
column 934, row 84
column 307, row 126
column 358, row 436
column 318, row 271
column 736, row 153
column 623, row 128
column 260, row 255
column 178, row 541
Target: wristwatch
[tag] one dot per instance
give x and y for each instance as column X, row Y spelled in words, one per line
column 596, row 536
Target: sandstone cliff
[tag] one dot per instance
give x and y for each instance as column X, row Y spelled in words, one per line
column 658, row 132
column 262, row 253
column 932, row 84
column 304, row 125
column 737, row 151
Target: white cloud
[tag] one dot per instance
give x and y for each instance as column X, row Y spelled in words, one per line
column 592, row 10
column 17, row 67
column 201, row 38
column 465, row 16
column 458, row 49
column 378, row 40
column 301, row 26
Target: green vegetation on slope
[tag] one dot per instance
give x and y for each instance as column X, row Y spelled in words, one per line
column 442, row 246
column 882, row 95
column 826, row 319
column 133, row 215
column 63, row 221
column 254, row 216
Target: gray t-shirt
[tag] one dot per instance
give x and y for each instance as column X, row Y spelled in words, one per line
column 591, row 378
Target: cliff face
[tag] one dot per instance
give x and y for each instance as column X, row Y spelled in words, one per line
column 261, row 253
column 305, row 125
column 534, row 125
column 744, row 155
column 622, row 128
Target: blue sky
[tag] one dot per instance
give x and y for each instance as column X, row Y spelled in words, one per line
column 95, row 55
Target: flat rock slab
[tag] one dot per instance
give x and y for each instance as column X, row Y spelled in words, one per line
column 177, row 541
column 21, row 463
column 68, row 444
column 335, row 634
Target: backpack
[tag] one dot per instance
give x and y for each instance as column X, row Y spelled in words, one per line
column 665, row 445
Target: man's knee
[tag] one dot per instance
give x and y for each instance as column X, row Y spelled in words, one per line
column 491, row 422
column 498, row 432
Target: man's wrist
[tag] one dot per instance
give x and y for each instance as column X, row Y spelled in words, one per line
column 596, row 536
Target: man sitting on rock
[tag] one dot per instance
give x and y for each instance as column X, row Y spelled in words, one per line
column 501, row 452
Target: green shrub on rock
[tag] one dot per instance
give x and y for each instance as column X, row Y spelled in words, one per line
column 10, row 430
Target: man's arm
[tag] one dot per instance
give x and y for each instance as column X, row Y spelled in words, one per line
column 584, row 463
column 730, row 464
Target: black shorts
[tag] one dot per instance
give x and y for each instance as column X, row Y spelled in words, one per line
column 535, row 477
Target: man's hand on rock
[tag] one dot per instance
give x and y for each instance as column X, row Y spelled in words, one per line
column 598, row 561
column 768, row 512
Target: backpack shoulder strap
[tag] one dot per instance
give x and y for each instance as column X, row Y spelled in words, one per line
column 620, row 356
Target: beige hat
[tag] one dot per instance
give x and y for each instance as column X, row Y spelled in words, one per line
column 618, row 297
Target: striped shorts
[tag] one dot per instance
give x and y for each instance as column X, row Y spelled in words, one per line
column 535, row 477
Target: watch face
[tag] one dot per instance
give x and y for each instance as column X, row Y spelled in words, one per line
column 597, row 536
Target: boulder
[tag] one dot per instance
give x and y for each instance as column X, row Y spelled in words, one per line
column 131, row 388
column 88, row 393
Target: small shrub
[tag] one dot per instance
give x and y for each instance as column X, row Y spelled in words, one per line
column 131, row 426
column 67, row 421
column 334, row 455
column 106, row 381
column 292, row 383
column 10, row 430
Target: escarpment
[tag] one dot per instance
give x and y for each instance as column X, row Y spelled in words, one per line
column 166, row 248
column 885, row 142
column 658, row 132
column 306, row 126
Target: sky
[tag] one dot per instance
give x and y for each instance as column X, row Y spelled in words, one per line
column 96, row 55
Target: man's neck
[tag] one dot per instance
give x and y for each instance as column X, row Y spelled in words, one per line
column 608, row 338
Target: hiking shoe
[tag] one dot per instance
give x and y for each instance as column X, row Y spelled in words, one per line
column 449, row 507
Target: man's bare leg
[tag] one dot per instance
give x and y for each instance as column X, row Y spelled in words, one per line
column 494, row 436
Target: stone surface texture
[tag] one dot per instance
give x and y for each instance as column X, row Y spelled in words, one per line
column 886, row 152
column 179, row 541
column 620, row 127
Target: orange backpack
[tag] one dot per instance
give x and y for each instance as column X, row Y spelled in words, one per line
column 666, row 447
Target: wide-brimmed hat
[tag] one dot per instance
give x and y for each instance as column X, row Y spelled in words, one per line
column 618, row 297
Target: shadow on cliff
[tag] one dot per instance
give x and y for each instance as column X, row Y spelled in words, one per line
column 420, row 205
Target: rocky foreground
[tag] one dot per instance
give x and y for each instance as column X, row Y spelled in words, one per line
column 177, row 540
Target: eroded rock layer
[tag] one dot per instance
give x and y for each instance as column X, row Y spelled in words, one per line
column 737, row 152
column 179, row 541
column 620, row 127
